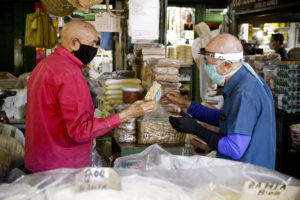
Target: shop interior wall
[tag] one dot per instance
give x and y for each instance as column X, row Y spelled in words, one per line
column 284, row 12
column 14, row 57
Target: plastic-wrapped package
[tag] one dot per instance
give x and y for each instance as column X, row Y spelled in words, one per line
column 126, row 132
column 130, row 125
column 156, row 128
column 171, row 108
column 13, row 132
column 126, row 138
column 158, row 131
column 206, row 178
column 14, row 148
column 157, row 174
column 123, row 74
column 168, row 62
column 22, row 80
column 167, row 78
column 166, row 70
column 97, row 160
column 169, row 86
column 121, row 131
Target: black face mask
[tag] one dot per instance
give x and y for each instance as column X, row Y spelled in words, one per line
column 85, row 53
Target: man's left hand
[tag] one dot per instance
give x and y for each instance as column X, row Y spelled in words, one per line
column 184, row 124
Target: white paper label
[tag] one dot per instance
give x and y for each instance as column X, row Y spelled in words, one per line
column 128, row 137
column 269, row 191
column 93, row 178
column 148, row 136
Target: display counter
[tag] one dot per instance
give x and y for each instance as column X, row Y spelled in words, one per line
column 128, row 149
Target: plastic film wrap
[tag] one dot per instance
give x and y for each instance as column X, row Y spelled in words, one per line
column 157, row 131
column 166, row 70
column 167, row 78
column 156, row 128
column 168, row 62
column 157, row 174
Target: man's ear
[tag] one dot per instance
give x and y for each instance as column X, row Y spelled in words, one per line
column 227, row 67
column 74, row 44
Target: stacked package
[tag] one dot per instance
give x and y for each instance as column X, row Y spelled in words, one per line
column 287, row 91
column 166, row 72
column 143, row 52
column 172, row 52
column 181, row 52
column 156, row 128
column 113, row 93
column 126, row 132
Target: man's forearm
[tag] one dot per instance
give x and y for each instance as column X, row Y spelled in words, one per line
column 204, row 114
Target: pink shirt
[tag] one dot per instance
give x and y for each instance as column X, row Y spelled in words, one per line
column 60, row 123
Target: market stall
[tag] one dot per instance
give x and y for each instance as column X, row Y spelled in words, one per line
column 134, row 62
column 156, row 174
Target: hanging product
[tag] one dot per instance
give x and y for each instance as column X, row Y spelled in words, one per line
column 84, row 4
column 58, row 7
column 40, row 31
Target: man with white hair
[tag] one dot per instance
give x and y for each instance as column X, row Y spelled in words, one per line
column 247, row 119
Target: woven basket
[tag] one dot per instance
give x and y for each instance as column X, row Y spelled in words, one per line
column 76, row 4
column 89, row 3
column 58, row 7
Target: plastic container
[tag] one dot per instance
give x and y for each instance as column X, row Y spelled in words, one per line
column 131, row 94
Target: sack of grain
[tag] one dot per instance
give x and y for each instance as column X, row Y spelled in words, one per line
column 14, row 148
column 5, row 162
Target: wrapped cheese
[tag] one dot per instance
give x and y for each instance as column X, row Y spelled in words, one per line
column 154, row 93
column 166, row 77
column 166, row 70
column 167, row 86
column 168, row 62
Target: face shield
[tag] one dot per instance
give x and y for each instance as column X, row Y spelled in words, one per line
column 232, row 57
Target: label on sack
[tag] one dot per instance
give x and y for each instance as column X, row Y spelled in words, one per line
column 128, row 137
column 253, row 190
column 93, row 178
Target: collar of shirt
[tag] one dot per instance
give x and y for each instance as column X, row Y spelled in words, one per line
column 64, row 52
column 233, row 81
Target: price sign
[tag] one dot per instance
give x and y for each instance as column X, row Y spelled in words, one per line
column 93, row 178
column 269, row 191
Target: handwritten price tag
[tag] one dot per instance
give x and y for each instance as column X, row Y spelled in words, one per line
column 93, row 178
column 269, row 191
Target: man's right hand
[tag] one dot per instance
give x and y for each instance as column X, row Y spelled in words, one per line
column 175, row 98
column 137, row 109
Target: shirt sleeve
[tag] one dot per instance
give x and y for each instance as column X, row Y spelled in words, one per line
column 242, row 116
column 234, row 145
column 204, row 114
column 78, row 112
